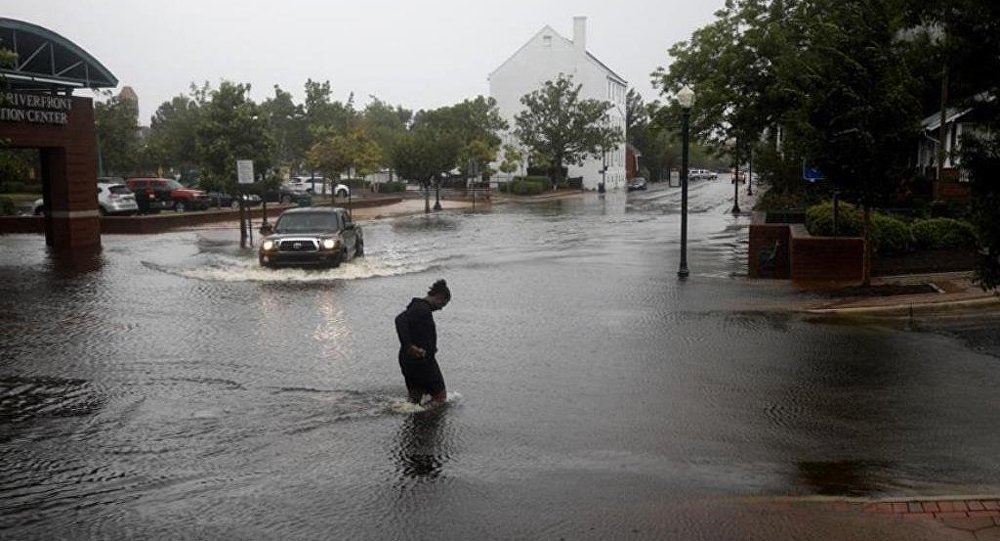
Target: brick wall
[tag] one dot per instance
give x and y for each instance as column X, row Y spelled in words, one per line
column 801, row 256
column 69, row 170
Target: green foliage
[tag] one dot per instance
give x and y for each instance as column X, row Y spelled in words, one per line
column 560, row 128
column 392, row 187
column 288, row 127
column 117, row 123
column 981, row 156
column 819, row 220
column 7, row 207
column 230, row 127
column 422, row 154
column 943, row 233
column 890, row 235
column 473, row 126
column 525, row 186
column 354, row 152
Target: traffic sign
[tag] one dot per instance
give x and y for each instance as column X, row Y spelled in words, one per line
column 811, row 173
column 244, row 171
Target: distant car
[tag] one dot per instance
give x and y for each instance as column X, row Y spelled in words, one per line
column 116, row 198
column 165, row 193
column 219, row 199
column 638, row 183
column 312, row 237
column 702, row 174
column 315, row 185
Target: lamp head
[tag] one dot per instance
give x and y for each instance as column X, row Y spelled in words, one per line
column 685, row 97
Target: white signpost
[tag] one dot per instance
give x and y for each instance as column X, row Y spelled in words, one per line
column 244, row 171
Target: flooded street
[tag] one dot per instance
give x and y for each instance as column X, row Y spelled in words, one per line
column 177, row 390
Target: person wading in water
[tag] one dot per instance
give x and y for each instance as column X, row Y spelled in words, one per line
column 418, row 345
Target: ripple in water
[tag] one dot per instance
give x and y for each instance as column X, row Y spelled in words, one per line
column 226, row 268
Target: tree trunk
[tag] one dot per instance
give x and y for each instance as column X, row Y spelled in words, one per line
column 867, row 265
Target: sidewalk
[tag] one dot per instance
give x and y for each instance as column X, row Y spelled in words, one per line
column 944, row 294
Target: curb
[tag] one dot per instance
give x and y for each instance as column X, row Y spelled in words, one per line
column 908, row 309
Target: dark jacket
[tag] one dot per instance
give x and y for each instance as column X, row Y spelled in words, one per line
column 415, row 326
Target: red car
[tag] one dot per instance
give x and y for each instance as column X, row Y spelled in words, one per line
column 165, row 193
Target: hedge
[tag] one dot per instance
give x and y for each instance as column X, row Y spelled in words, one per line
column 7, row 207
column 943, row 233
column 889, row 235
column 392, row 187
column 524, row 187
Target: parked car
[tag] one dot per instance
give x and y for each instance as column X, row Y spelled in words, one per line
column 315, row 185
column 637, row 183
column 702, row 174
column 116, row 198
column 165, row 193
column 283, row 194
column 112, row 198
column 219, row 199
column 312, row 237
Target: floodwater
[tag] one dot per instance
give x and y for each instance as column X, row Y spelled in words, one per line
column 170, row 388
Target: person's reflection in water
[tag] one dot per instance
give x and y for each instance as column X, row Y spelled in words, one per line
column 421, row 451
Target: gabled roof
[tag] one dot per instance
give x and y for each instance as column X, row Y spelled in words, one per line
column 933, row 122
column 569, row 42
column 46, row 60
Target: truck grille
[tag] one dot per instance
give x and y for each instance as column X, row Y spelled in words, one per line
column 298, row 245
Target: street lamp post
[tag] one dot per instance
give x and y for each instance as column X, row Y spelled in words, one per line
column 750, row 174
column 685, row 98
column 736, row 181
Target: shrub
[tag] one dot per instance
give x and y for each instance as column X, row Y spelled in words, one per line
column 392, row 187
column 819, row 220
column 524, row 187
column 943, row 233
column 890, row 235
column 7, row 207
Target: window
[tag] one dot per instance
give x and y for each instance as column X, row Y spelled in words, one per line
column 546, row 41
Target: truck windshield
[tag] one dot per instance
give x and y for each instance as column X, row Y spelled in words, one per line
column 306, row 221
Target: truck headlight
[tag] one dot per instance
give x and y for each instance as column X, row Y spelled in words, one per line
column 330, row 244
column 268, row 245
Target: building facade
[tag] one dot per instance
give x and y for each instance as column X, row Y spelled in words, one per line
column 543, row 58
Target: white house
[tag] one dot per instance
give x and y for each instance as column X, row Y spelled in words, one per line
column 543, row 58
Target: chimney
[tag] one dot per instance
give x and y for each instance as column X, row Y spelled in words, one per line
column 580, row 35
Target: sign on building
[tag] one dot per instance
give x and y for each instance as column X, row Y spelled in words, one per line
column 244, row 171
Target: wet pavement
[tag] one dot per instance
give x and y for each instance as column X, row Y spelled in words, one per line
column 170, row 388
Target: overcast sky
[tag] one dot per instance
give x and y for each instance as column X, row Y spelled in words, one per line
column 416, row 53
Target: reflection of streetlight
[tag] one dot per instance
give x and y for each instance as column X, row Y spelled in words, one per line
column 685, row 98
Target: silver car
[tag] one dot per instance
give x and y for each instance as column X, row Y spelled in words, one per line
column 115, row 198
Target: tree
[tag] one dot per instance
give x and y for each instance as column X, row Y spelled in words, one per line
column 422, row 154
column 171, row 141
column 230, row 127
column 353, row 153
column 559, row 128
column 474, row 125
column 117, row 123
column 287, row 124
column 325, row 117
column 384, row 123
column 969, row 54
